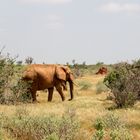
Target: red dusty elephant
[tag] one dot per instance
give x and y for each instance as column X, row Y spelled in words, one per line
column 102, row 70
column 48, row 77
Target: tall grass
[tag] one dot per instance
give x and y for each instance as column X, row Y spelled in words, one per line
column 111, row 126
column 84, row 85
column 101, row 87
column 23, row 126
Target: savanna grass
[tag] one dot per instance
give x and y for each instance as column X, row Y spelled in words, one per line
column 85, row 85
column 23, row 126
column 111, row 126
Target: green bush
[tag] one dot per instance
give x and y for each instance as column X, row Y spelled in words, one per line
column 100, row 132
column 112, row 127
column 20, row 92
column 11, row 91
column 6, row 75
column 52, row 136
column 123, row 82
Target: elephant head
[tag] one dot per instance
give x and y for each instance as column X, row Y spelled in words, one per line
column 64, row 73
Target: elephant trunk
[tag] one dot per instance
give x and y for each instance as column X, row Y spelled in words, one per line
column 71, row 89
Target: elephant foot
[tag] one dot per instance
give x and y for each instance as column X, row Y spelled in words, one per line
column 35, row 101
column 49, row 100
column 63, row 99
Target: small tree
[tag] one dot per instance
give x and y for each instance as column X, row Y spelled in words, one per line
column 99, row 63
column 73, row 61
column 11, row 91
column 124, row 82
column 29, row 60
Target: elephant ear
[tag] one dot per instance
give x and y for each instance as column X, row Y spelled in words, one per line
column 71, row 77
column 69, row 73
column 60, row 73
column 64, row 73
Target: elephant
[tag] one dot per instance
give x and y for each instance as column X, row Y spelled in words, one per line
column 48, row 76
column 102, row 71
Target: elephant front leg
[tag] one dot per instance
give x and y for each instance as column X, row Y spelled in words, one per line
column 50, row 94
column 60, row 90
column 34, row 89
column 33, row 92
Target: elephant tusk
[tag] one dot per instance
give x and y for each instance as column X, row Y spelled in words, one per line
column 75, row 84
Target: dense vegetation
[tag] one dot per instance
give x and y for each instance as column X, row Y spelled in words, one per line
column 122, row 83
column 12, row 90
column 22, row 126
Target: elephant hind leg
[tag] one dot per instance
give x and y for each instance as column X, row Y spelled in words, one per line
column 50, row 94
column 60, row 91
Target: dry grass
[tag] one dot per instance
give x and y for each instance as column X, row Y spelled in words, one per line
column 88, row 106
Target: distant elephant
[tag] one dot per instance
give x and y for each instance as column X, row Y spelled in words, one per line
column 102, row 70
column 47, row 77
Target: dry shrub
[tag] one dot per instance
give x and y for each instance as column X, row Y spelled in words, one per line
column 124, row 83
column 11, row 91
column 111, row 126
column 22, row 126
